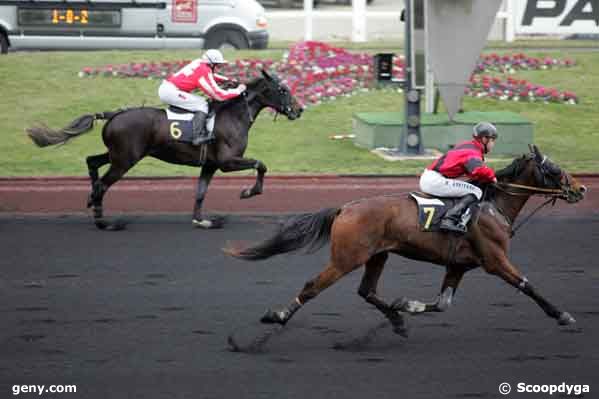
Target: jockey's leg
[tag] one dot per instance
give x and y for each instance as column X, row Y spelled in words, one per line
column 367, row 290
column 453, row 219
column 203, row 182
column 200, row 133
column 434, row 183
column 171, row 95
column 236, row 164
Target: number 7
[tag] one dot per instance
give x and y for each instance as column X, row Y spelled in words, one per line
column 430, row 211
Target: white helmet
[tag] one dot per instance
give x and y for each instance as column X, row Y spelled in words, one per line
column 214, row 57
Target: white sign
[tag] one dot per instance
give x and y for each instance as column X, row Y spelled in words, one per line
column 557, row 16
column 457, row 32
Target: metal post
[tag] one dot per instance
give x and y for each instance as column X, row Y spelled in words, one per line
column 358, row 21
column 411, row 140
column 308, row 27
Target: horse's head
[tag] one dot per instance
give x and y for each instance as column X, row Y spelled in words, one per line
column 538, row 171
column 275, row 94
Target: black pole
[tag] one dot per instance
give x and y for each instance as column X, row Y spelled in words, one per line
column 411, row 139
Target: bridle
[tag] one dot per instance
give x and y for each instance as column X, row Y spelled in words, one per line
column 551, row 174
column 284, row 99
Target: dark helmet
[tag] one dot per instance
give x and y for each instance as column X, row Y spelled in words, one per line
column 485, row 129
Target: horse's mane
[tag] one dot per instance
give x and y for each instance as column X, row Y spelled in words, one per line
column 509, row 173
column 514, row 169
column 251, row 86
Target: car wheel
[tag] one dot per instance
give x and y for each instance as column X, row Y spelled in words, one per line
column 3, row 44
column 226, row 39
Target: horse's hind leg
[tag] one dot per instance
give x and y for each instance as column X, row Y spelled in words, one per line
column 312, row 288
column 101, row 186
column 367, row 290
column 94, row 163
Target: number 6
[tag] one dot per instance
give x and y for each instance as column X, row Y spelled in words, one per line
column 175, row 131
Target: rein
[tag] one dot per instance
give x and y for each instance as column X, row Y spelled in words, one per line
column 553, row 195
column 530, row 215
column 247, row 106
column 532, row 189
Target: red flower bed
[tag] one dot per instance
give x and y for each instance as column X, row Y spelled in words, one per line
column 315, row 71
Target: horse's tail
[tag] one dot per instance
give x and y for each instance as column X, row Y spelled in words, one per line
column 309, row 229
column 44, row 136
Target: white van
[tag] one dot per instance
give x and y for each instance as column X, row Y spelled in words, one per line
column 132, row 24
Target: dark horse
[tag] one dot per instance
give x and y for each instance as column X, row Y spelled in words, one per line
column 134, row 133
column 364, row 232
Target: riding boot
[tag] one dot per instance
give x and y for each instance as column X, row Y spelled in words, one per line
column 199, row 127
column 456, row 218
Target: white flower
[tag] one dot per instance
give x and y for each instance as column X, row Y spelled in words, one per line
column 81, row 74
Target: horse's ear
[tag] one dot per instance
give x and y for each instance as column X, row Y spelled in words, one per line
column 531, row 149
column 537, row 152
column 266, row 75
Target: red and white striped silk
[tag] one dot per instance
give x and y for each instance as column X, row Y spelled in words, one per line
column 198, row 75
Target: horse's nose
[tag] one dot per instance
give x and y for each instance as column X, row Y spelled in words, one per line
column 583, row 189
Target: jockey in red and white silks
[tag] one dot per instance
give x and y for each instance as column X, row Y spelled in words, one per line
column 443, row 177
column 198, row 75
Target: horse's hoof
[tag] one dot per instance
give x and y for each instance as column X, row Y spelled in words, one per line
column 405, row 305
column 401, row 330
column 565, row 319
column 399, row 304
column 216, row 223
column 399, row 324
column 271, row 317
column 245, row 194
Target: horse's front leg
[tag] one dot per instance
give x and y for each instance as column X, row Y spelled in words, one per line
column 237, row 164
column 508, row 272
column 203, row 183
column 452, row 279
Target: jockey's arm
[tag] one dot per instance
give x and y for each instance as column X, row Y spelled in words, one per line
column 207, row 84
column 220, row 78
column 478, row 171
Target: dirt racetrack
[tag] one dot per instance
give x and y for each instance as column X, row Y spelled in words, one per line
column 146, row 313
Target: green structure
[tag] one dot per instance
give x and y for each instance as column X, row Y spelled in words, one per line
column 384, row 129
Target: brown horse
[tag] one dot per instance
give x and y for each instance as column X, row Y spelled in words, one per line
column 363, row 232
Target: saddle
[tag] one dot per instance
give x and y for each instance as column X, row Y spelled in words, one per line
column 181, row 125
column 431, row 209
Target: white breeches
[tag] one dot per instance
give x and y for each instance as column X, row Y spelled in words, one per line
column 170, row 94
column 435, row 183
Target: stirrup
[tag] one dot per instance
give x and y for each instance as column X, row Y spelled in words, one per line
column 450, row 225
column 196, row 140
